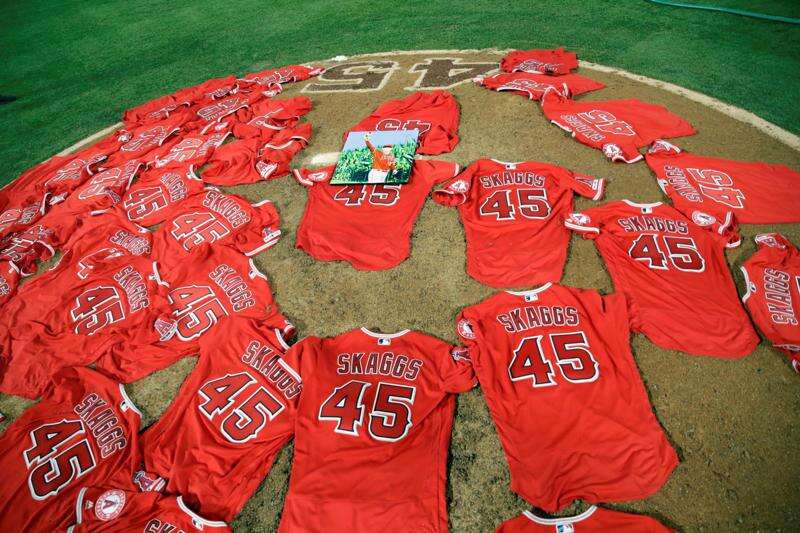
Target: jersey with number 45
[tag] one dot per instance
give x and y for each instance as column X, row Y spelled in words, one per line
column 216, row 218
column 235, row 411
column 674, row 273
column 369, row 226
column 215, row 282
column 513, row 218
column 572, row 413
column 372, row 432
column 772, row 275
column 84, row 431
column 757, row 193
column 617, row 127
column 62, row 320
column 158, row 193
column 435, row 114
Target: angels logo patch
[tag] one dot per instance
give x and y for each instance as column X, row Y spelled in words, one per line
column 464, row 328
column 265, row 170
column 318, row 176
column 166, row 329
column 579, row 218
column 460, row 353
column 769, row 239
column 703, row 219
column 269, row 234
column 459, row 186
column 109, row 504
column 612, row 151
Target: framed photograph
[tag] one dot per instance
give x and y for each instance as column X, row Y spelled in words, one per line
column 376, row 157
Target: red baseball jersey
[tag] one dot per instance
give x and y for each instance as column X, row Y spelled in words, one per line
column 215, row 114
column 211, row 283
column 26, row 247
column 178, row 103
column 22, row 242
column 555, row 62
column 217, row 218
column 274, row 78
column 103, row 237
column 533, row 86
column 269, row 116
column 140, row 141
column 96, row 237
column 191, row 149
column 513, row 216
column 155, row 110
column 9, row 280
column 31, row 181
column 256, row 158
column 210, row 90
column 772, row 276
column 60, row 320
column 58, row 175
column 593, row 520
column 18, row 215
column 83, row 431
column 572, row 413
column 674, row 274
column 617, row 127
column 101, row 192
column 372, row 432
column 435, row 114
column 157, row 193
column 100, row 510
column 232, row 415
column 369, row 226
column 757, row 193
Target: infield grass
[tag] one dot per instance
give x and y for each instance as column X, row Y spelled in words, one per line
column 75, row 65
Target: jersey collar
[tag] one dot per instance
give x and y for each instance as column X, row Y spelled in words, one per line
column 645, row 208
column 532, row 294
column 196, row 518
column 510, row 165
column 566, row 520
column 385, row 335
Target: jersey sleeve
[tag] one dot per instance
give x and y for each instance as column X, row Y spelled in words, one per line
column 457, row 372
column 436, row 171
column 457, row 190
column 584, row 223
column 468, row 333
column 586, row 186
column 308, row 177
column 724, row 228
column 622, row 315
column 262, row 232
column 773, row 241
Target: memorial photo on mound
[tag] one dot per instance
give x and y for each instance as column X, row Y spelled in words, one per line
column 376, row 157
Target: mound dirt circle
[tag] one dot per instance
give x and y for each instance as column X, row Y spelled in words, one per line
column 734, row 424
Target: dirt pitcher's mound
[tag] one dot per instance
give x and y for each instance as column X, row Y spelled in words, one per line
column 735, row 424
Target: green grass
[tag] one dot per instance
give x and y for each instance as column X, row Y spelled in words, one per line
column 76, row 65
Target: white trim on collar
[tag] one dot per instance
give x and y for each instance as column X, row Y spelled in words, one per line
column 385, row 335
column 532, row 292
column 128, row 400
column 196, row 517
column 281, row 340
column 566, row 520
column 643, row 206
column 507, row 162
